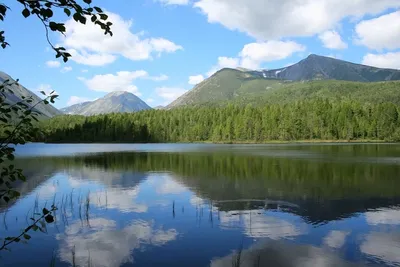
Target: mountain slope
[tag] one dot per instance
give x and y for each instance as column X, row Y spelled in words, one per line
column 320, row 67
column 20, row 91
column 299, row 81
column 112, row 102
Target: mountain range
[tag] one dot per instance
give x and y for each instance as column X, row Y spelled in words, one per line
column 314, row 76
column 115, row 102
column 20, row 92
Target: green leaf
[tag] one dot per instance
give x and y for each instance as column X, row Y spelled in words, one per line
column 67, row 11
column 10, row 157
column 87, row 1
column 45, row 211
column 98, row 9
column 35, row 227
column 49, row 218
column 103, row 16
column 26, row 12
column 27, row 237
column 76, row 17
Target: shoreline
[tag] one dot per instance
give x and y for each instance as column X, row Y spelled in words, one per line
column 359, row 141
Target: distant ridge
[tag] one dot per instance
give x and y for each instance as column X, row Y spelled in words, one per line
column 114, row 102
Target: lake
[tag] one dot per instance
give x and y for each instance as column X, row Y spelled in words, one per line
column 208, row 205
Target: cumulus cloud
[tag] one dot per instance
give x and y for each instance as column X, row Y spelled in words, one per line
column 196, row 79
column 253, row 55
column 259, row 225
column 167, row 186
column 169, row 94
column 224, row 62
column 174, row 2
column 266, row 20
column 149, row 100
column 88, row 45
column 383, row 216
column 53, row 64
column 383, row 246
column 77, row 99
column 159, row 78
column 120, row 199
column 332, row 40
column 66, row 69
column 121, row 81
column 335, row 239
column 106, row 245
column 380, row 33
column 388, row 60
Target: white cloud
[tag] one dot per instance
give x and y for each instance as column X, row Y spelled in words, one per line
column 46, row 88
column 66, row 69
column 224, row 62
column 259, row 225
column 121, row 81
column 332, row 40
column 266, row 20
column 160, row 78
column 86, row 58
column 88, row 45
column 255, row 54
column 84, row 70
column 174, row 2
column 383, row 246
column 149, row 100
column 105, row 245
column 53, row 64
column 196, row 79
column 167, row 186
column 123, row 200
column 169, row 94
column 335, row 239
column 389, row 60
column 77, row 99
column 383, row 216
column 380, row 33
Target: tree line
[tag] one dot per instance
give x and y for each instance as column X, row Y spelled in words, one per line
column 318, row 119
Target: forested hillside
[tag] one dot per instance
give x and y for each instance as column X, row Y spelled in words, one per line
column 229, row 85
column 318, row 119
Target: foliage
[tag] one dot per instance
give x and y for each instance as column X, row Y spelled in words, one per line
column 17, row 119
column 17, row 123
column 317, row 119
column 44, row 11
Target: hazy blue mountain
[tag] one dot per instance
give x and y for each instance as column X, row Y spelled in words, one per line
column 114, row 102
column 320, row 67
column 20, row 91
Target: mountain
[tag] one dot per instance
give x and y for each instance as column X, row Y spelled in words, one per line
column 320, row 67
column 20, row 91
column 315, row 76
column 112, row 102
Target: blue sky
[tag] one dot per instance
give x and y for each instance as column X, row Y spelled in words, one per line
column 161, row 48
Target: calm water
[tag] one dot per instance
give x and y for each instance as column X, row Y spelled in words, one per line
column 198, row 205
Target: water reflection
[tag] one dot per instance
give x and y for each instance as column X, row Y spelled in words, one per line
column 133, row 209
column 278, row 253
column 104, row 245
